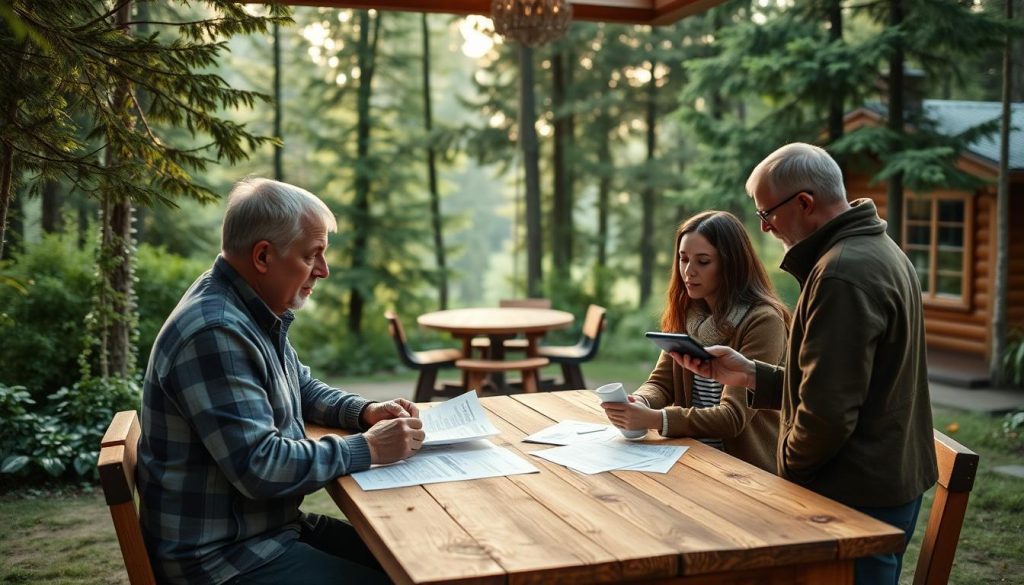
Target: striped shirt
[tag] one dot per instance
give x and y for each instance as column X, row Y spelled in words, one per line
column 707, row 393
column 223, row 458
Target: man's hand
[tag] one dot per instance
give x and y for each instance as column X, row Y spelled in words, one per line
column 632, row 415
column 729, row 366
column 394, row 439
column 397, row 408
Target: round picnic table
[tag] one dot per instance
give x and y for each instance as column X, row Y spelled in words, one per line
column 499, row 324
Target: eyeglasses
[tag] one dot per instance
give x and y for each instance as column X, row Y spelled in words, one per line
column 764, row 214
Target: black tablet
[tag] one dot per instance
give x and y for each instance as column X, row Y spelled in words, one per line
column 679, row 343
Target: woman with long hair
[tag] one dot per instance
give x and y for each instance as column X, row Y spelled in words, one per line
column 718, row 294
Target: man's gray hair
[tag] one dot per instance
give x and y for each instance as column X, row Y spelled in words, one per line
column 262, row 209
column 799, row 166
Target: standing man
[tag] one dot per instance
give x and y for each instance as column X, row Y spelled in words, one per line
column 856, row 416
column 224, row 460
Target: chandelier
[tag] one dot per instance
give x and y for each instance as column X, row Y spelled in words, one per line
column 531, row 22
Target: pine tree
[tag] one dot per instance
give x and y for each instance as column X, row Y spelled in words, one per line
column 74, row 70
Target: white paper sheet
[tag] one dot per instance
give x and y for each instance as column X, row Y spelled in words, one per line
column 613, row 455
column 665, row 457
column 455, row 421
column 571, row 432
column 593, row 458
column 470, row 460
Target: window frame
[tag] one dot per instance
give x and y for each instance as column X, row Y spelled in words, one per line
column 930, row 297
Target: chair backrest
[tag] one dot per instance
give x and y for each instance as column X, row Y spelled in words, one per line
column 116, row 463
column 530, row 303
column 398, row 335
column 957, row 467
column 593, row 324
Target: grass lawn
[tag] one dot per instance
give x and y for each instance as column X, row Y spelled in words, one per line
column 65, row 536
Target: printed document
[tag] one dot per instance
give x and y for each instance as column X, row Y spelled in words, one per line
column 614, row 455
column 455, row 421
column 468, row 460
column 571, row 432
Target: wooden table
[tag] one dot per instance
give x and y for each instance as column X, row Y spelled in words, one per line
column 499, row 324
column 712, row 519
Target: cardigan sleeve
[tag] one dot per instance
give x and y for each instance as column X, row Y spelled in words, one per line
column 762, row 336
column 659, row 389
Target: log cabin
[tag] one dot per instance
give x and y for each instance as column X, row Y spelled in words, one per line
column 949, row 236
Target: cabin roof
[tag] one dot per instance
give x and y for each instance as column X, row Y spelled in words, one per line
column 955, row 116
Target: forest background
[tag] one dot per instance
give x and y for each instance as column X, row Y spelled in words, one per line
column 125, row 124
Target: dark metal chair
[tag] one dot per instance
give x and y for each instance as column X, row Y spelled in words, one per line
column 427, row 362
column 571, row 356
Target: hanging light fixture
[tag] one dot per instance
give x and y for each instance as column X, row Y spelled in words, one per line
column 531, row 22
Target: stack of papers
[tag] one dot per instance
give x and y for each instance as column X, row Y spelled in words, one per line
column 468, row 460
column 456, row 421
column 454, row 449
column 595, row 448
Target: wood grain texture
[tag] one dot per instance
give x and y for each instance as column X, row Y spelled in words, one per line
column 711, row 519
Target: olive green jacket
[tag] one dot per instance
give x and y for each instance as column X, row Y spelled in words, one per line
column 856, row 415
column 747, row 434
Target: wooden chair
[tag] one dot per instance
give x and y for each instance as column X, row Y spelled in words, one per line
column 571, row 356
column 483, row 343
column 118, row 455
column 957, row 467
column 427, row 362
column 477, row 371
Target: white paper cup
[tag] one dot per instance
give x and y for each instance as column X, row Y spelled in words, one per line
column 614, row 392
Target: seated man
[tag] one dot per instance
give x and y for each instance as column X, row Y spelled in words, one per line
column 224, row 460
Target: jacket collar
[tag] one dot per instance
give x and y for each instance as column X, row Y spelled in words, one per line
column 861, row 219
column 261, row 313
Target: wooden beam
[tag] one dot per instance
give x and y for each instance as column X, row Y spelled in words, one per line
column 622, row 11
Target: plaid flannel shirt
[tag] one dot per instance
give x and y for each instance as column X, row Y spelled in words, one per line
column 223, row 458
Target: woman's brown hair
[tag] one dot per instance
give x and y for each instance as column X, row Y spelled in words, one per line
column 744, row 280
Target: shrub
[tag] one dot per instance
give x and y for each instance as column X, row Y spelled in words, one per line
column 60, row 438
column 1013, row 359
column 162, row 278
column 42, row 312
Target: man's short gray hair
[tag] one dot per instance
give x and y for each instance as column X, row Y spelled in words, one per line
column 262, row 209
column 799, row 166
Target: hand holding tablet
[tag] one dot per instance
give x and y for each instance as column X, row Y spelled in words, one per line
column 680, row 343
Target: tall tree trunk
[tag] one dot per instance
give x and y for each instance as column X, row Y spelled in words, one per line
column 561, row 217
column 570, row 157
column 10, row 113
column 836, row 98
column 531, row 165
column 604, row 191
column 435, row 197
column 604, row 187
column 1002, row 218
column 51, row 219
column 15, row 226
column 362, row 221
column 647, row 198
column 278, row 149
column 894, row 203
column 116, row 306
column 6, row 185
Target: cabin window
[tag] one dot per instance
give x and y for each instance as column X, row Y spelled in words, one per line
column 936, row 238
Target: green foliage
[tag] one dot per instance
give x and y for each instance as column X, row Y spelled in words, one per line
column 42, row 319
column 163, row 278
column 88, row 98
column 1013, row 428
column 1013, row 358
column 59, row 438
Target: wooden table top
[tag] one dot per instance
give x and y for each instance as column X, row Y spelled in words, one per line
column 495, row 320
column 711, row 519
